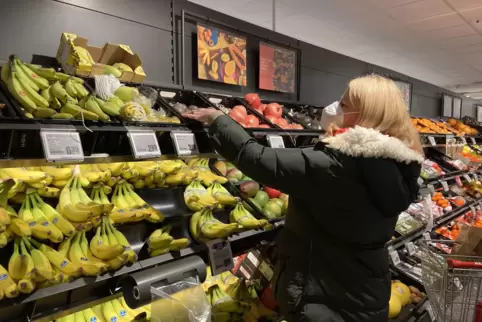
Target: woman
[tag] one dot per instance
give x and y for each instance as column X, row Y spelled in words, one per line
column 346, row 193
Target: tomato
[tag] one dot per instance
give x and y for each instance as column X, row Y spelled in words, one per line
column 252, row 99
column 241, row 109
column 273, row 109
column 272, row 193
column 264, row 126
column 237, row 116
column 251, row 121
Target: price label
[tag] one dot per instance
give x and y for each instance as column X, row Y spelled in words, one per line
column 449, row 136
column 185, row 143
column 464, row 141
column 144, row 144
column 426, row 236
column 431, row 139
column 276, row 141
column 466, row 177
column 394, row 257
column 459, row 182
column 429, row 310
column 445, row 185
column 62, row 145
column 220, row 256
column 473, row 140
column 411, row 250
column 431, row 188
column 474, row 175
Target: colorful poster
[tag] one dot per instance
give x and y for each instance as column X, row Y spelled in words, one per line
column 221, row 56
column 406, row 89
column 277, row 68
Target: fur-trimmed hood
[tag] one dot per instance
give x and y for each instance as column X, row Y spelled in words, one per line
column 370, row 143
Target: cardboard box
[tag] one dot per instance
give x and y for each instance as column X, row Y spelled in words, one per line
column 69, row 57
column 113, row 53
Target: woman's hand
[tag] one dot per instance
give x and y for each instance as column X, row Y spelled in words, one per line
column 204, row 115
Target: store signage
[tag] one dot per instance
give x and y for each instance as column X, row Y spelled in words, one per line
column 144, row 144
column 220, row 256
column 445, row 185
column 185, row 143
column 431, row 139
column 411, row 250
column 275, row 141
column 62, row 145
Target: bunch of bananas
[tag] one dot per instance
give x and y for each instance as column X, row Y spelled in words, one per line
column 143, row 174
column 221, row 194
column 203, row 226
column 115, row 310
column 205, row 175
column 129, row 207
column 10, row 223
column 108, row 250
column 243, row 217
column 197, row 197
column 178, row 173
column 45, row 93
column 225, row 307
column 161, row 242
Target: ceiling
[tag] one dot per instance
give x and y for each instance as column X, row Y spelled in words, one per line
column 437, row 41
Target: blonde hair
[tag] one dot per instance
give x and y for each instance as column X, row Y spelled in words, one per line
column 382, row 108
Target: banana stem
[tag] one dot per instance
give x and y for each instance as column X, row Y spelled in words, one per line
column 34, row 242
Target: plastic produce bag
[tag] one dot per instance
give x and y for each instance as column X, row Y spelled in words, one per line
column 183, row 301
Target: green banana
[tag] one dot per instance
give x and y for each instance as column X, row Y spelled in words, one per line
column 41, row 82
column 92, row 106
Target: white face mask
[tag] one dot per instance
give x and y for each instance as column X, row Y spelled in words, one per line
column 333, row 114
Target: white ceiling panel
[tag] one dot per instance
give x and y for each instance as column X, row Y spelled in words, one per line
column 437, row 41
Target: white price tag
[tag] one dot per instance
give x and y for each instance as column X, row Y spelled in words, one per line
column 426, row 235
column 464, row 141
column 411, row 250
column 466, row 176
column 473, row 140
column 144, row 144
column 185, row 143
column 275, row 141
column 476, row 178
column 431, row 139
column 220, row 256
column 431, row 188
column 62, row 145
column 445, row 185
column 394, row 257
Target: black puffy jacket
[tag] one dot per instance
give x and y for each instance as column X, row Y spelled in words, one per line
column 346, row 193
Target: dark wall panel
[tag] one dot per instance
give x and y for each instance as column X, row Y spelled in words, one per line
column 425, row 106
column 35, row 26
column 321, row 88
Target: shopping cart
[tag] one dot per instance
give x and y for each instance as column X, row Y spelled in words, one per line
column 453, row 284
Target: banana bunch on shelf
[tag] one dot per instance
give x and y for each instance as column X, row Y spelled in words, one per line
column 10, row 223
column 143, row 174
column 243, row 217
column 114, row 310
column 205, row 175
column 224, row 307
column 203, row 226
column 161, row 242
column 197, row 197
column 44, row 92
column 129, row 207
column 221, row 194
column 75, row 205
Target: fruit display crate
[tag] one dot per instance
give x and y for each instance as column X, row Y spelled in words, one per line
column 227, row 103
column 286, row 115
column 305, row 114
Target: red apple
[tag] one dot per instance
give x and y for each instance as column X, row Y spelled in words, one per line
column 272, row 119
column 261, row 108
column 237, row 116
column 241, row 109
column 251, row 121
column 264, row 126
column 273, row 109
column 272, row 193
column 296, row 126
column 252, row 99
column 282, row 123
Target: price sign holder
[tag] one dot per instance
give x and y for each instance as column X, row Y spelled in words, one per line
column 473, row 140
column 431, row 139
column 469, row 179
column 185, row 143
column 444, row 185
column 394, row 257
column 464, row 141
column 275, row 141
column 144, row 143
column 62, row 144
column 431, row 188
column 476, row 178
column 411, row 250
column 220, row 256
column 426, row 235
